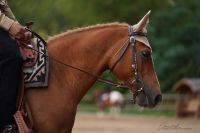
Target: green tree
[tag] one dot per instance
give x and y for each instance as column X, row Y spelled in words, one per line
column 54, row 16
column 175, row 35
column 174, row 27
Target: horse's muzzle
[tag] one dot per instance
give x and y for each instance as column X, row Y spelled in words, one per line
column 148, row 97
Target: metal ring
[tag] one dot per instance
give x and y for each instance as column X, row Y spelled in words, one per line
column 132, row 40
column 138, row 81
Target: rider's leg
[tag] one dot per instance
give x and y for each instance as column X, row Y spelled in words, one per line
column 10, row 71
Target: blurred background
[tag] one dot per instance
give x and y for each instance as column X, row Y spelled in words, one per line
column 173, row 32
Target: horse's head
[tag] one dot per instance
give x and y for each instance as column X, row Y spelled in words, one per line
column 133, row 64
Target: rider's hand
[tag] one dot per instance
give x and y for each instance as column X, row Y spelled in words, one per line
column 20, row 32
column 15, row 29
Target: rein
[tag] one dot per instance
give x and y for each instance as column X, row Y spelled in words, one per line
column 99, row 78
column 131, row 41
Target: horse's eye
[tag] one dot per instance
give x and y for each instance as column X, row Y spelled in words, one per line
column 146, row 54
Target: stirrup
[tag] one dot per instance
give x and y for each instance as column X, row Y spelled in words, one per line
column 10, row 129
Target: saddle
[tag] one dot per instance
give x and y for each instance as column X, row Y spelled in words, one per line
column 27, row 50
column 23, row 117
column 31, row 57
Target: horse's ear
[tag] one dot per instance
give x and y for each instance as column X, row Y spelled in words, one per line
column 142, row 24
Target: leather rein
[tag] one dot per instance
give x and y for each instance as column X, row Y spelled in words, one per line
column 130, row 42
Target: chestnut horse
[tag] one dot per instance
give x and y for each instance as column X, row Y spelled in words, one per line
column 93, row 49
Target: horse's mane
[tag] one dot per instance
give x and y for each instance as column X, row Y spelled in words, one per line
column 78, row 30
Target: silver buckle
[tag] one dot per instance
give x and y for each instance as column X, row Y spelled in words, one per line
column 138, row 81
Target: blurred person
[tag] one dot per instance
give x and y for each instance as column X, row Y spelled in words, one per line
column 10, row 65
column 105, row 93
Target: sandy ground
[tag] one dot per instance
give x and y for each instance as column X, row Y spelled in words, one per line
column 92, row 123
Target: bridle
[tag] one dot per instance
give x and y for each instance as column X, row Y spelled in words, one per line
column 130, row 42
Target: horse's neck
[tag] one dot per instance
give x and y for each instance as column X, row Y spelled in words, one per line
column 88, row 50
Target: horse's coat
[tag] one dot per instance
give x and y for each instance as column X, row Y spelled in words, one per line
column 92, row 49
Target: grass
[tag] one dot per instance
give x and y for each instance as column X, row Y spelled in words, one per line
column 166, row 108
column 132, row 110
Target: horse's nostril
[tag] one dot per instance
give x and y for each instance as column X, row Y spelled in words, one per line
column 158, row 99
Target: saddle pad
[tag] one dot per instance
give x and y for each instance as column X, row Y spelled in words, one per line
column 37, row 76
